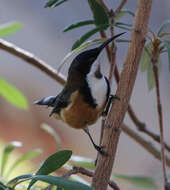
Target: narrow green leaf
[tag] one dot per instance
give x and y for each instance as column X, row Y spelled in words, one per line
column 163, row 26
column 24, row 158
column 53, row 133
column 139, row 181
column 122, row 13
column 6, row 153
column 99, row 14
column 19, row 179
column 84, row 162
column 60, row 2
column 78, row 24
column 62, row 182
column 52, row 163
column 123, row 27
column 3, row 186
column 78, row 49
column 50, row 3
column 150, row 77
column 150, row 74
column 54, row 3
column 123, row 24
column 87, row 36
column 122, row 41
column 9, row 28
column 145, row 60
column 12, row 95
column 167, row 46
column 78, row 178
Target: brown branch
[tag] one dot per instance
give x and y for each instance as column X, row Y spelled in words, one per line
column 141, row 126
column 33, row 60
column 154, row 61
column 145, row 144
column 113, row 124
column 120, row 7
column 81, row 170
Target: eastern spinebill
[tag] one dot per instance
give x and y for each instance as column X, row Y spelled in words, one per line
column 85, row 95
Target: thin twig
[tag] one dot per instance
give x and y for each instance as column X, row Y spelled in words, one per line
column 120, row 7
column 81, row 170
column 33, row 60
column 154, row 61
column 147, row 145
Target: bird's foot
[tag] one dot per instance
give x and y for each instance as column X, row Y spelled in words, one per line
column 100, row 150
column 110, row 100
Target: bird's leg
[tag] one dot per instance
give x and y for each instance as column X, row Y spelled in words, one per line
column 108, row 104
column 98, row 148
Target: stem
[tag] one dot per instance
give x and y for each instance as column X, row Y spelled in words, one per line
column 115, row 118
column 154, row 61
column 147, row 145
column 33, row 60
column 81, row 170
column 120, row 6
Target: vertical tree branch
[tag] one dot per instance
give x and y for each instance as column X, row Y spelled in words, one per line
column 154, row 60
column 124, row 91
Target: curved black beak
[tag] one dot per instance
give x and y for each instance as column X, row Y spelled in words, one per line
column 101, row 47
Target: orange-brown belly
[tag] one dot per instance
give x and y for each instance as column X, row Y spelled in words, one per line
column 79, row 114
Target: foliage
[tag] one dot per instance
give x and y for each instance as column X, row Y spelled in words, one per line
column 9, row 28
column 157, row 43
column 8, row 91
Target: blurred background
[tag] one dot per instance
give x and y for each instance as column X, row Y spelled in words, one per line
column 42, row 35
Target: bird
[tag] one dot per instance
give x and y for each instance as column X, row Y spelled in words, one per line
column 85, row 96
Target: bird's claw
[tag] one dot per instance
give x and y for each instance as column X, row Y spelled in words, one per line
column 100, row 150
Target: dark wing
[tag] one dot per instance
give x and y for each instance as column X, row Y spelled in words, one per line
column 61, row 101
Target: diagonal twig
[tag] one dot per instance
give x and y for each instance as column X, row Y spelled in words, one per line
column 81, row 170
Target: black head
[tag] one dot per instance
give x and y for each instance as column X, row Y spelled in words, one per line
column 84, row 60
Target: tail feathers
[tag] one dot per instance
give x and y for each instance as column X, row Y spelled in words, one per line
column 47, row 101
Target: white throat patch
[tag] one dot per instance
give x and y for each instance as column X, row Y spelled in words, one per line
column 98, row 86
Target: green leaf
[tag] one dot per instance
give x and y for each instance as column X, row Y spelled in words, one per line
column 12, row 95
column 145, row 58
column 58, row 181
column 53, row 133
column 78, row 49
column 54, row 3
column 62, row 182
column 139, row 181
column 99, row 14
column 123, row 26
column 87, row 36
column 19, row 179
column 167, row 46
column 24, row 158
column 122, row 13
column 150, row 77
column 6, row 153
column 163, row 26
column 84, row 162
column 9, row 28
column 3, row 187
column 78, row 24
column 150, row 74
column 52, row 163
